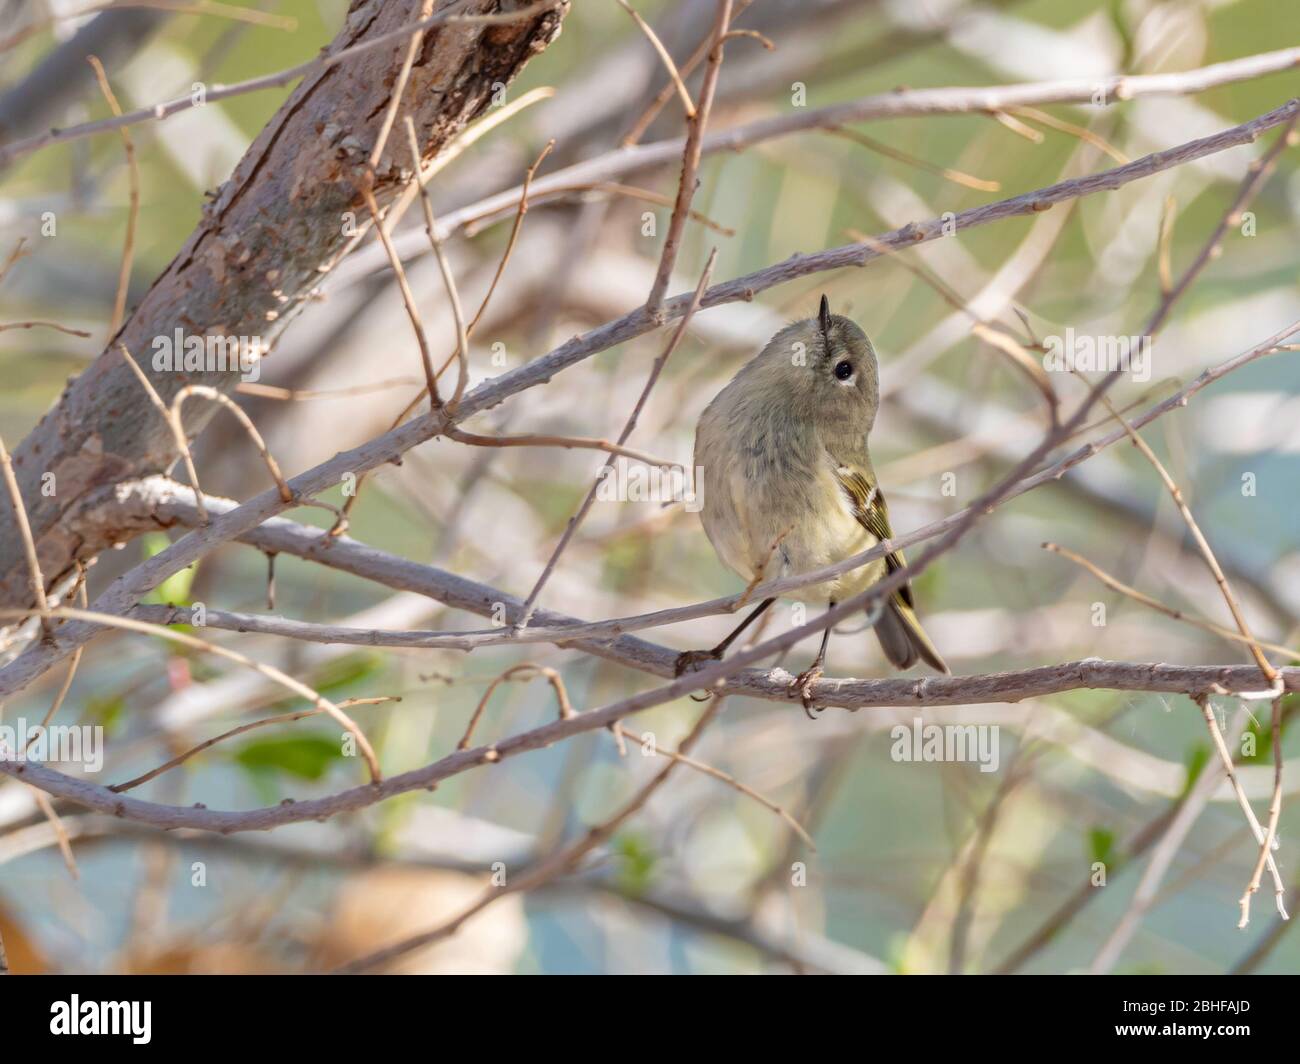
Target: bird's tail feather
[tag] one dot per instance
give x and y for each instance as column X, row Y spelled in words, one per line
column 904, row 640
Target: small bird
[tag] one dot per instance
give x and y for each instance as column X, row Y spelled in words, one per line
column 788, row 486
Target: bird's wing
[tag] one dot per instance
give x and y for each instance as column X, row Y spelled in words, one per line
column 868, row 505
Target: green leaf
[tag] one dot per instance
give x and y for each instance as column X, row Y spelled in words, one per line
column 1101, row 845
column 636, row 862
column 175, row 590
column 307, row 756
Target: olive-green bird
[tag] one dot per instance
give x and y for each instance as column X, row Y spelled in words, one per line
column 788, row 486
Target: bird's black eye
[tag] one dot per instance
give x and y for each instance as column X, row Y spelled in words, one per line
column 843, row 370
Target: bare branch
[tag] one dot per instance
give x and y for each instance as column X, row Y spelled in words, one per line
column 527, row 669
column 1162, row 857
column 1155, row 604
column 159, row 111
column 207, row 744
column 269, row 671
column 174, row 425
column 127, row 590
column 1092, row 674
column 408, row 298
column 448, row 280
column 570, row 442
column 690, row 162
column 628, row 429
column 289, row 206
column 673, row 76
column 1255, row 178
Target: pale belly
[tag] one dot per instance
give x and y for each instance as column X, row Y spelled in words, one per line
column 766, row 539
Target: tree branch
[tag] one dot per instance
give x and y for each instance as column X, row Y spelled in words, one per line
column 128, row 589
column 286, row 211
column 1090, row 673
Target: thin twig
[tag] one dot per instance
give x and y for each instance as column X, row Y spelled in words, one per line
column 20, row 250
column 133, row 213
column 1018, row 127
column 1266, row 839
column 578, row 442
column 283, row 718
column 690, row 163
column 60, row 832
column 730, row 781
column 78, row 593
column 35, row 578
column 408, row 297
column 1169, row 611
column 673, row 76
column 956, row 100
column 1266, row 844
column 410, row 407
column 399, row 87
column 298, row 395
column 1163, row 267
column 469, row 136
column 174, row 424
column 186, row 639
column 242, row 417
column 1257, row 173
column 514, row 672
column 514, row 234
column 1207, row 553
column 1225, row 756
column 628, row 428
column 6, row 326
column 448, row 278
column 548, row 868
column 644, row 120
column 957, row 177
column 1059, row 124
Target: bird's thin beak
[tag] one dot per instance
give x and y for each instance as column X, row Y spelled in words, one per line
column 824, row 315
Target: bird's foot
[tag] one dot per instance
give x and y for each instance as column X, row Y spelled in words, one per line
column 693, row 659
column 802, row 686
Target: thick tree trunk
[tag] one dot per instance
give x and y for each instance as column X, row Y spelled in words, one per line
column 257, row 254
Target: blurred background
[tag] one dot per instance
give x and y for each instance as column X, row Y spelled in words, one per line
column 919, row 867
